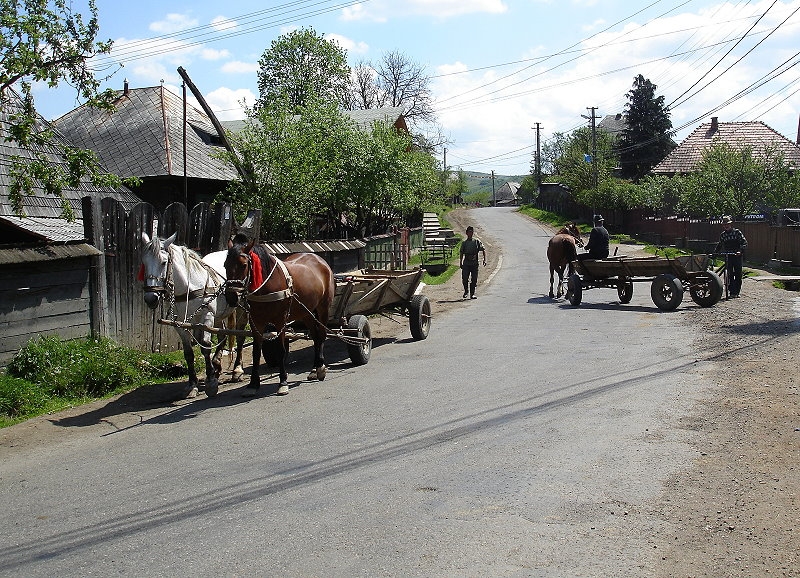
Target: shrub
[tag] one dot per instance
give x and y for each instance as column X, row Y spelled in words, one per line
column 19, row 397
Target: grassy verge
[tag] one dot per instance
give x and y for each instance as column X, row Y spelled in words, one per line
column 50, row 375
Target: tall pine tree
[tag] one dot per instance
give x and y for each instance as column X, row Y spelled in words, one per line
column 647, row 137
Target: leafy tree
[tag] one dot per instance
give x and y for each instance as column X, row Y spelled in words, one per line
column 458, row 187
column 646, row 139
column 317, row 165
column 46, row 41
column 528, row 189
column 575, row 167
column 300, row 66
column 739, row 180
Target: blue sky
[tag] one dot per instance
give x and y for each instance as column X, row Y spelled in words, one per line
column 497, row 67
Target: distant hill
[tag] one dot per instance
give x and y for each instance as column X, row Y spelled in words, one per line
column 480, row 185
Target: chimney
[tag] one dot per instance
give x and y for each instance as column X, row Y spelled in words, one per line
column 714, row 124
column 125, row 88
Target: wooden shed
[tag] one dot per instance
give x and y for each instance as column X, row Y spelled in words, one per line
column 45, row 261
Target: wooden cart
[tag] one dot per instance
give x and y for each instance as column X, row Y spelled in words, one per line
column 668, row 278
column 374, row 291
column 358, row 295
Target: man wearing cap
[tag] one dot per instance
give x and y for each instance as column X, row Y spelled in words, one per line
column 597, row 246
column 732, row 241
column 468, row 261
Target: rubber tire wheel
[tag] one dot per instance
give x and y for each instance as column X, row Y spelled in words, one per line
column 667, row 292
column 359, row 352
column 574, row 289
column 708, row 291
column 419, row 317
column 625, row 290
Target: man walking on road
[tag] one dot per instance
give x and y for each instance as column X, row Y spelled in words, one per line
column 468, row 261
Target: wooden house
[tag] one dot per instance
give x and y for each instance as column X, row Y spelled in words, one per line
column 153, row 134
column 45, row 261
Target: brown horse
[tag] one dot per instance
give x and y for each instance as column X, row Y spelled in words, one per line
column 277, row 293
column 561, row 252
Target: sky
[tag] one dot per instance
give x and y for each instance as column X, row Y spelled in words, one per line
column 498, row 68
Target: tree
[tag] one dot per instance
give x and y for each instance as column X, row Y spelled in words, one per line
column 316, row 166
column 299, row 66
column 647, row 136
column 398, row 81
column 738, row 181
column 46, row 41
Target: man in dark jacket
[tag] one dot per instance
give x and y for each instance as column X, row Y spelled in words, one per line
column 597, row 246
column 731, row 242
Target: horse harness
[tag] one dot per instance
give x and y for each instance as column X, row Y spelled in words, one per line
column 168, row 287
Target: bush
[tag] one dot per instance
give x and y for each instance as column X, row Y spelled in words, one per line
column 49, row 374
column 78, row 368
column 19, row 397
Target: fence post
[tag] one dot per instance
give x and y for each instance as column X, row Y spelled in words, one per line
column 93, row 231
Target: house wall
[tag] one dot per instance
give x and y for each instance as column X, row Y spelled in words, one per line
column 43, row 298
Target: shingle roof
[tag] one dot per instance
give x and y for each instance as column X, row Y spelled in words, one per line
column 757, row 135
column 143, row 137
column 42, row 204
column 613, row 124
column 362, row 118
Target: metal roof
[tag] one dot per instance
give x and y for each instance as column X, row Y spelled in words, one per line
column 53, row 230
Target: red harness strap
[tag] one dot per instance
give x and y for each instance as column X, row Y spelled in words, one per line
column 256, row 272
column 140, row 276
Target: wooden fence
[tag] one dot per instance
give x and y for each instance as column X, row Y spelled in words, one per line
column 117, row 308
column 764, row 241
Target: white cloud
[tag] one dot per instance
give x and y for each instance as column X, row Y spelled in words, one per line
column 173, row 23
column 239, row 67
column 227, row 102
column 382, row 10
column 212, row 54
column 351, row 46
column 223, row 24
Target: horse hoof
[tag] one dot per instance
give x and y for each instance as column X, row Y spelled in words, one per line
column 237, row 374
column 321, row 373
column 191, row 392
column 250, row 391
column 212, row 390
column 312, row 376
column 283, row 390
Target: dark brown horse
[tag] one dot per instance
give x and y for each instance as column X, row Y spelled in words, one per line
column 277, row 293
column 561, row 252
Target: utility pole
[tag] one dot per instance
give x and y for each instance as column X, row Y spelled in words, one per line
column 594, row 144
column 494, row 200
column 538, row 161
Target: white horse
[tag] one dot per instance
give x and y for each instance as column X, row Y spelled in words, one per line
column 194, row 288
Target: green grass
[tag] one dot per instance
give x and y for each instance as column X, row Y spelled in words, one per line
column 49, row 375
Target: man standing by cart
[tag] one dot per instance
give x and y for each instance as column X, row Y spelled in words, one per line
column 731, row 242
column 468, row 261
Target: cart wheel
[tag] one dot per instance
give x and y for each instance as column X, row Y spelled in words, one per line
column 625, row 290
column 419, row 317
column 667, row 292
column 707, row 290
column 574, row 289
column 359, row 352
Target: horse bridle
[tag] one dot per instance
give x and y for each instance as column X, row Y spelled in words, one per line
column 242, row 286
column 166, row 288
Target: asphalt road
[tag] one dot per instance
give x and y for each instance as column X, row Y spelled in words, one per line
column 524, row 437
